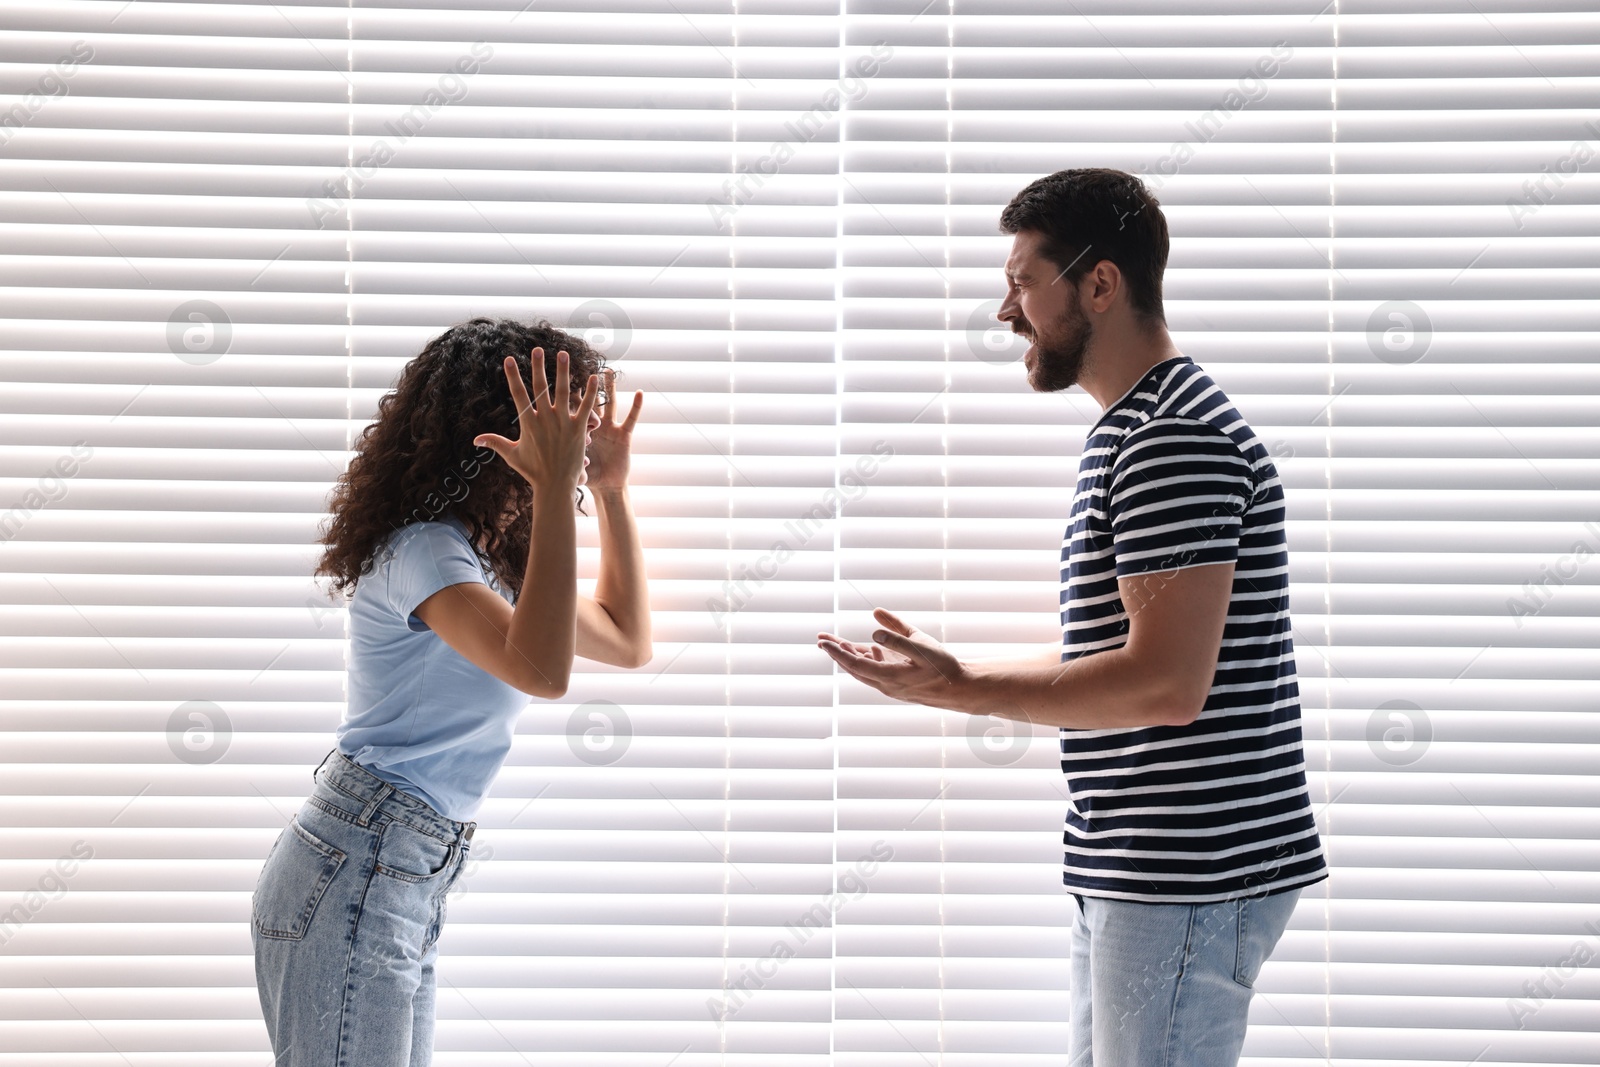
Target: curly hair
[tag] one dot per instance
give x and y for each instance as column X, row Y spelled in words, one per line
column 417, row 462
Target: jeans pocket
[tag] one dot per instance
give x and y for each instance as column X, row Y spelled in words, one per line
column 297, row 872
column 1262, row 921
column 412, row 855
column 1246, row 965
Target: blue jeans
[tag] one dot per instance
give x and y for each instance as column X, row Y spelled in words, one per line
column 1168, row 985
column 345, row 920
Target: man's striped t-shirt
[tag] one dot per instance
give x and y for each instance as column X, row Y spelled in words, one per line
column 1172, row 477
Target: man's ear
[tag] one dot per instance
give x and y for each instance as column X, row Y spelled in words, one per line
column 1103, row 283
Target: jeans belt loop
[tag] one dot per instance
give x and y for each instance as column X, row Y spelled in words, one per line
column 379, row 797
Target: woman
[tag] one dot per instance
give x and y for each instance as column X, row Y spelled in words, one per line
column 465, row 602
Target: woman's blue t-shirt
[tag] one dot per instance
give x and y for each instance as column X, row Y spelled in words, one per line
column 421, row 716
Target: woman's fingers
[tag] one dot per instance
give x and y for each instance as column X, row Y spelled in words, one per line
column 563, row 397
column 541, row 382
column 547, row 447
column 591, row 397
column 500, row 445
column 633, row 412
column 519, row 392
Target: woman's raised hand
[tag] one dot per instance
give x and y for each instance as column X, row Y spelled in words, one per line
column 549, row 449
column 612, row 441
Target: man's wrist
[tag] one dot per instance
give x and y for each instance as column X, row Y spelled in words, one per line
column 970, row 689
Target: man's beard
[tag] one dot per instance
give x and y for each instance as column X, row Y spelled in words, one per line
column 1057, row 365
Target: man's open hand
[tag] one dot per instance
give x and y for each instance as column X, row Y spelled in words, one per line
column 905, row 663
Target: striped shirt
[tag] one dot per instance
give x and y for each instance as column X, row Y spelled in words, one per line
column 1172, row 477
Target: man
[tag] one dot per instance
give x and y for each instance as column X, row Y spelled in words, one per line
column 1189, row 831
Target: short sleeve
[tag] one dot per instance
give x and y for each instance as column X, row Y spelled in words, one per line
column 1177, row 496
column 422, row 559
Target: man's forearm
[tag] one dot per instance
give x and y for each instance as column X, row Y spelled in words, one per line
column 621, row 588
column 1046, row 656
column 1106, row 690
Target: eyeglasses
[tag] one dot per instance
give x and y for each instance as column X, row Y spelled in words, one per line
column 602, row 398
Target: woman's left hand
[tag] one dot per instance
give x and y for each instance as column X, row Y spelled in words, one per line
column 611, row 443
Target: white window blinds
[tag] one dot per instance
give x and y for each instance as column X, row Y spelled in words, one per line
column 225, row 227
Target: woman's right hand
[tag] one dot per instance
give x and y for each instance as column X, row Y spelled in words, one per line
column 549, row 449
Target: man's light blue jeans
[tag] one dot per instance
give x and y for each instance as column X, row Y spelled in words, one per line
column 1168, row 985
column 346, row 918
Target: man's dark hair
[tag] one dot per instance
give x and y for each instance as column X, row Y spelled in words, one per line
column 1089, row 214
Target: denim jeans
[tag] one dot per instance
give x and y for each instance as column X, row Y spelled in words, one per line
column 1168, row 985
column 345, row 920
